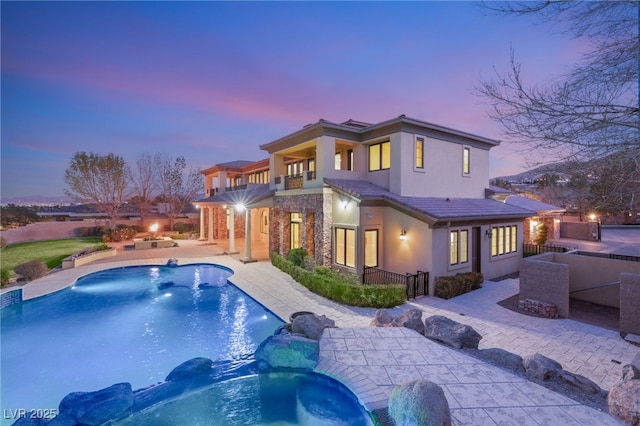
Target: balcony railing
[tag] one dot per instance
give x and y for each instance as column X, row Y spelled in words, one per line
column 212, row 192
column 236, row 187
column 293, row 182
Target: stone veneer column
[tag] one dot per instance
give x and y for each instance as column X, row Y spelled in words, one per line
column 210, row 233
column 202, row 223
column 629, row 303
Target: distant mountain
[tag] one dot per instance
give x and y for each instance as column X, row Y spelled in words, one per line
column 40, row 200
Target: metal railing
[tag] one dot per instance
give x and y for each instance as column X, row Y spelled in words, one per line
column 236, row 187
column 534, row 249
column 609, row 256
column 416, row 284
column 293, row 181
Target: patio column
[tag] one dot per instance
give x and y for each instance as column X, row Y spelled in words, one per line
column 247, row 237
column 210, row 234
column 201, row 223
column 232, row 237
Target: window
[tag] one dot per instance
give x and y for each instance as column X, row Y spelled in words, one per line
column 371, row 247
column 337, row 162
column 419, row 153
column 380, row 156
column 311, row 165
column 459, row 247
column 504, row 240
column 264, row 222
column 296, row 230
column 466, row 160
column 345, row 248
column 350, row 159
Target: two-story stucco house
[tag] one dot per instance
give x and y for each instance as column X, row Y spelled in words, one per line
column 402, row 195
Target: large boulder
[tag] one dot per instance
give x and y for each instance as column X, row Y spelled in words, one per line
column 311, row 326
column 410, row 319
column 419, row 403
column 190, row 369
column 630, row 372
column 540, row 367
column 95, row 408
column 452, row 333
column 624, row 402
column 290, row 351
column 576, row 383
column 382, row 318
column 501, row 358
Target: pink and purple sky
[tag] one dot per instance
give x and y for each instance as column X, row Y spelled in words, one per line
column 213, row 80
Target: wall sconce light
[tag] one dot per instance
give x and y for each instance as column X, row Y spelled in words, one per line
column 403, row 234
column 344, row 203
column 488, row 233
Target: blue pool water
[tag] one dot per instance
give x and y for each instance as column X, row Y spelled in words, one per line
column 124, row 325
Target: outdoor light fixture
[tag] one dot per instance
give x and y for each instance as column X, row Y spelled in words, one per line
column 154, row 228
column 592, row 216
column 403, row 234
column 239, row 207
column 488, row 233
column 344, row 203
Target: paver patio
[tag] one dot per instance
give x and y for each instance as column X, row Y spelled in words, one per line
column 373, row 360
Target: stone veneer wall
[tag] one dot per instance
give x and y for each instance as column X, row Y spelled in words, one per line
column 629, row 302
column 316, row 223
column 543, row 280
column 10, row 297
column 220, row 230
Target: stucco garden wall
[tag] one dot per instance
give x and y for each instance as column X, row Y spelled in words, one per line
column 629, row 303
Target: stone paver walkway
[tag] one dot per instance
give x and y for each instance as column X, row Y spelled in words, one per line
column 373, row 360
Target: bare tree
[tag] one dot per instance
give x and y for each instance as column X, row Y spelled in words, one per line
column 178, row 186
column 101, row 179
column 593, row 110
column 145, row 182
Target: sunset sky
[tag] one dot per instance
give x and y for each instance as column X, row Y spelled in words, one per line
column 213, row 80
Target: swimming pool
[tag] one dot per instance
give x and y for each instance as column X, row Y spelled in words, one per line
column 131, row 324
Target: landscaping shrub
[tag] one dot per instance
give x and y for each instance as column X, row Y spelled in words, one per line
column 542, row 234
column 342, row 288
column 296, row 256
column 31, row 270
column 5, row 277
column 452, row 286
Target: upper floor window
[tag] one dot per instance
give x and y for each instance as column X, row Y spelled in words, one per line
column 466, row 160
column 419, row 153
column 337, row 162
column 380, row 156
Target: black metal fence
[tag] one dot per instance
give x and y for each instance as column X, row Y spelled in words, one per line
column 417, row 284
column 534, row 249
column 610, row 256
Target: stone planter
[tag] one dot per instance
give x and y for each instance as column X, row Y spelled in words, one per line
column 298, row 314
column 160, row 242
column 74, row 261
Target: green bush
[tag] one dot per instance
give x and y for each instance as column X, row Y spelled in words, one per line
column 542, row 234
column 296, row 256
column 5, row 277
column 31, row 270
column 342, row 288
column 452, row 286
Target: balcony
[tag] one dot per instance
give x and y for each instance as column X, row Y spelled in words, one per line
column 304, row 180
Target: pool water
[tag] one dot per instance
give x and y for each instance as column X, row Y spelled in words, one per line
column 264, row 399
column 131, row 324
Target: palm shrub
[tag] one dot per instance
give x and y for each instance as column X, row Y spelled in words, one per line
column 542, row 234
column 5, row 277
column 341, row 288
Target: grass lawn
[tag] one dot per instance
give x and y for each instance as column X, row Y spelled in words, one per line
column 49, row 252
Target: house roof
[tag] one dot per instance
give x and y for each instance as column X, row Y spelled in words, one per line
column 432, row 209
column 249, row 196
column 530, row 204
column 361, row 131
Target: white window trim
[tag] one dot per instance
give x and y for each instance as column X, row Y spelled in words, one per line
column 466, row 148
column 424, row 145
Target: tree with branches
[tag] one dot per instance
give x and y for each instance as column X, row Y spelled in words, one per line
column 178, row 186
column 592, row 112
column 101, row 179
column 145, row 183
